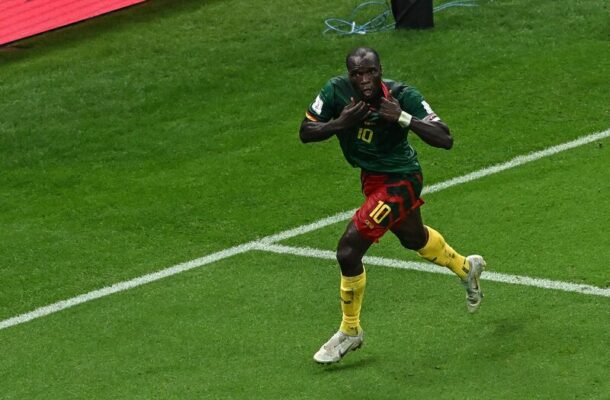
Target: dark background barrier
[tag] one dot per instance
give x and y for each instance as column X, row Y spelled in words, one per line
column 413, row 14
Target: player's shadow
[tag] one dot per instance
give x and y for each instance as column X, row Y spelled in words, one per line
column 508, row 327
column 346, row 364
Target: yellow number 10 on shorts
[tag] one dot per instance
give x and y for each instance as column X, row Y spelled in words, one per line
column 380, row 212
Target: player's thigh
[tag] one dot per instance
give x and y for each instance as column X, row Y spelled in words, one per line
column 411, row 230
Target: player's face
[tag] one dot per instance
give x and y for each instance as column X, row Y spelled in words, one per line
column 365, row 75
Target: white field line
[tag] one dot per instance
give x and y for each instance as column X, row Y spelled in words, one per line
column 427, row 267
column 494, row 169
column 517, row 161
column 176, row 269
column 125, row 285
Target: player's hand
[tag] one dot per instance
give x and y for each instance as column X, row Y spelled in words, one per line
column 390, row 109
column 354, row 113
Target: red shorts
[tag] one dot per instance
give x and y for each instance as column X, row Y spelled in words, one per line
column 389, row 199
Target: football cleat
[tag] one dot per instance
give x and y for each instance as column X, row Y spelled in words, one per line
column 337, row 347
column 474, row 295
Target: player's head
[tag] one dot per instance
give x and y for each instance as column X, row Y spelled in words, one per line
column 364, row 71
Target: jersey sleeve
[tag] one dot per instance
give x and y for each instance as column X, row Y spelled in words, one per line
column 414, row 103
column 321, row 109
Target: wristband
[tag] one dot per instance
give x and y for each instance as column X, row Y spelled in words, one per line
column 405, row 119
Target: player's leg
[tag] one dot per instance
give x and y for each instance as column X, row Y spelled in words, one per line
column 431, row 245
column 350, row 250
column 411, row 231
column 352, row 247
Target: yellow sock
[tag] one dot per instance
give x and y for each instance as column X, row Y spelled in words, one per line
column 352, row 292
column 440, row 253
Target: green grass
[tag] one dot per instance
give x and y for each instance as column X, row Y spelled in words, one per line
column 167, row 131
column 169, row 340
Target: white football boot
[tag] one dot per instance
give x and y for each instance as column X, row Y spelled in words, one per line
column 474, row 295
column 337, row 346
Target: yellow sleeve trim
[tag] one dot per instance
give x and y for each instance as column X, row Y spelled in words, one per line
column 310, row 117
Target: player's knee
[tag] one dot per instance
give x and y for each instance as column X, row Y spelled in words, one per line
column 345, row 255
column 348, row 258
column 413, row 243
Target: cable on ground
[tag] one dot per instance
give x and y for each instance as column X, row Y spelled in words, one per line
column 379, row 22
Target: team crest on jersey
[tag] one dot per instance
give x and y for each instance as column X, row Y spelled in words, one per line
column 317, row 105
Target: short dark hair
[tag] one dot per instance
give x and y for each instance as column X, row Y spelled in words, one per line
column 362, row 52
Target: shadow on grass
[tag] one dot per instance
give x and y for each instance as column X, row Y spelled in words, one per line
column 355, row 361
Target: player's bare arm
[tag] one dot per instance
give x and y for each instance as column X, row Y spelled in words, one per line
column 352, row 114
column 434, row 133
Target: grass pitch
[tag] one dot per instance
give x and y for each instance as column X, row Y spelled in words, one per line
column 167, row 131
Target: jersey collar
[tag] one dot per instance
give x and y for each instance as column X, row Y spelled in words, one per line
column 385, row 90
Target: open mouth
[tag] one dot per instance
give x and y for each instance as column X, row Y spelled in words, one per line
column 367, row 91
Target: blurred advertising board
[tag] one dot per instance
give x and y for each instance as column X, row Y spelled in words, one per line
column 23, row 18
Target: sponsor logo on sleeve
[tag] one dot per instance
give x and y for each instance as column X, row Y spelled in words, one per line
column 317, row 105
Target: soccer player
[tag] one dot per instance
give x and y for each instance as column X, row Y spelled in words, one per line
column 371, row 117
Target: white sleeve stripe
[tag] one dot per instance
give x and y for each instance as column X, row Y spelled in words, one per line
column 427, row 107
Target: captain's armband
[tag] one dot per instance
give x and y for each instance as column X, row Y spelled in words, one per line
column 432, row 117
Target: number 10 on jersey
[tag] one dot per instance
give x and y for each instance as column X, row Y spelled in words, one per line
column 365, row 134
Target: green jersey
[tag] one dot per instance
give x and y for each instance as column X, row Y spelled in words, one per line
column 375, row 145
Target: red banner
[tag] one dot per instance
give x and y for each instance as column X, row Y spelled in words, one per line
column 22, row 18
